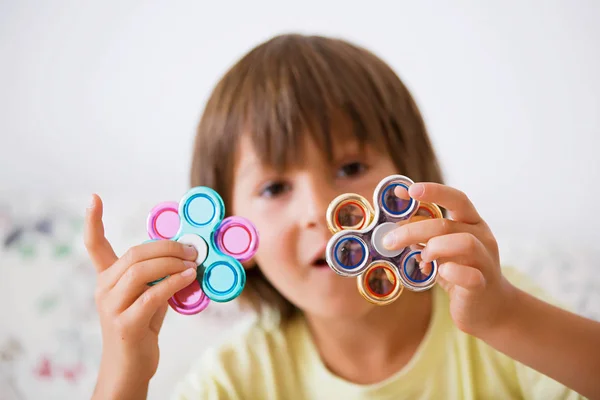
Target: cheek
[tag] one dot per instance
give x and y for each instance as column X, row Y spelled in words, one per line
column 276, row 258
column 276, row 247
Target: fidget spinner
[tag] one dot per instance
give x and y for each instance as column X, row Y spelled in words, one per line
column 356, row 248
column 222, row 245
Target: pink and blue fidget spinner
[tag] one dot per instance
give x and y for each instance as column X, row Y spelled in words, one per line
column 356, row 248
column 222, row 245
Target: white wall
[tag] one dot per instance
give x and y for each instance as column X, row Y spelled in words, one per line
column 105, row 96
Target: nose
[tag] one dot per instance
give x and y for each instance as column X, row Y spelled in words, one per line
column 318, row 192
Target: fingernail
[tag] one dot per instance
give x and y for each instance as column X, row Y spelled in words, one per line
column 190, row 264
column 190, row 251
column 188, row 272
column 389, row 240
column 417, row 189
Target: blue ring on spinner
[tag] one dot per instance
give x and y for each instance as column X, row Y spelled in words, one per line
column 406, row 272
column 232, row 283
column 186, row 211
column 382, row 199
column 339, row 243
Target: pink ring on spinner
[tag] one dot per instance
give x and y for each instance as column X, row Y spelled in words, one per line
column 237, row 237
column 163, row 221
column 190, row 300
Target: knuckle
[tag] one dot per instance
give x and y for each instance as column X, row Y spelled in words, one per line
column 133, row 273
column 471, row 241
column 463, row 196
column 446, row 225
column 148, row 298
column 173, row 247
column 132, row 255
column 173, row 284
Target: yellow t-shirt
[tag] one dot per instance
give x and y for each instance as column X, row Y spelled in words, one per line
column 281, row 362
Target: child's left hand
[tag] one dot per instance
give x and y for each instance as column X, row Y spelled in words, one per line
column 467, row 256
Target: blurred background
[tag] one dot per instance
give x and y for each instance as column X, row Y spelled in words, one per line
column 105, row 96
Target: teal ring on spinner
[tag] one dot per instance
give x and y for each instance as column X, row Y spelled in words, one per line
column 187, row 212
column 222, row 288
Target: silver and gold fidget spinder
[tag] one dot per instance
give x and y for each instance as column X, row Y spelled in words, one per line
column 356, row 248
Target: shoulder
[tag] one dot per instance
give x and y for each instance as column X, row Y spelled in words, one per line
column 246, row 365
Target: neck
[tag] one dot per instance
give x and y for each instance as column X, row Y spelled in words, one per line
column 371, row 347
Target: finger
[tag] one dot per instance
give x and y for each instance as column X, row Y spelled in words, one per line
column 463, row 248
column 144, row 252
column 401, row 192
column 461, row 275
column 135, row 280
column 443, row 282
column 456, row 202
column 421, row 232
column 146, row 306
column 99, row 249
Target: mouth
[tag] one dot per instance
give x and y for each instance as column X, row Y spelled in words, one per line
column 319, row 260
column 320, row 263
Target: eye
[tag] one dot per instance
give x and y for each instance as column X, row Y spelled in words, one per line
column 274, row 189
column 351, row 169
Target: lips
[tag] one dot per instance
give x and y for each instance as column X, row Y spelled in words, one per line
column 320, row 263
column 318, row 259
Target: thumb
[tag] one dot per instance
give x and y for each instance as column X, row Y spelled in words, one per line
column 99, row 249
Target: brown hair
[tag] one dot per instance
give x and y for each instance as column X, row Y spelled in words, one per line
column 293, row 85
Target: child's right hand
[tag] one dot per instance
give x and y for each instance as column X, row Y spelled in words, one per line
column 131, row 312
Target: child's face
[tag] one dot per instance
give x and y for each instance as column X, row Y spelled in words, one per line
column 289, row 210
